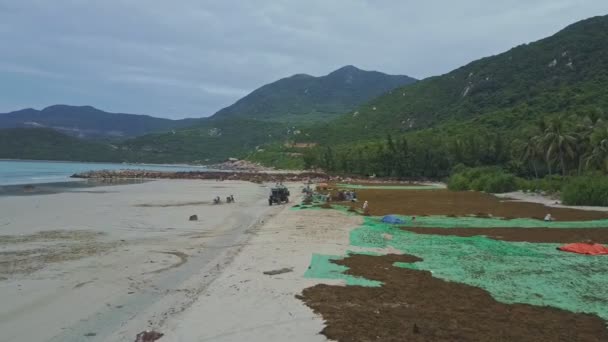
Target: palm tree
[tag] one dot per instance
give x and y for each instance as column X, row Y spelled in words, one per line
column 531, row 152
column 583, row 131
column 558, row 142
column 542, row 127
column 599, row 154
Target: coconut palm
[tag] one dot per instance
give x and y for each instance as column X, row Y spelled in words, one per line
column 582, row 148
column 531, row 152
column 599, row 155
column 558, row 143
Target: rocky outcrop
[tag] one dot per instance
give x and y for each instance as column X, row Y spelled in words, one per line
column 233, row 164
column 256, row 177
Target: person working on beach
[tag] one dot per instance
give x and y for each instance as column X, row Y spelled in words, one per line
column 365, row 208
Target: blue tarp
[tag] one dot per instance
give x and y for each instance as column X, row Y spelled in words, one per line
column 392, row 219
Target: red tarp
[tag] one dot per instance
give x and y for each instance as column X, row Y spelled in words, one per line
column 585, row 248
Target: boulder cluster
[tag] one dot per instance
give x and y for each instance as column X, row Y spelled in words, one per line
column 256, row 177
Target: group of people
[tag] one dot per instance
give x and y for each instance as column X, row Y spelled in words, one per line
column 218, row 200
column 344, row 195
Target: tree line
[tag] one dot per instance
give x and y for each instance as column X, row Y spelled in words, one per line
column 553, row 145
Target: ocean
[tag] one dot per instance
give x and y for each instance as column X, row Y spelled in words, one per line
column 15, row 172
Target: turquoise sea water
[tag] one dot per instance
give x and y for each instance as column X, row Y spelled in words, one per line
column 31, row 172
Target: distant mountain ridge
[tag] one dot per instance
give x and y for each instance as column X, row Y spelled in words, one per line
column 89, row 122
column 302, row 97
column 566, row 73
column 299, row 98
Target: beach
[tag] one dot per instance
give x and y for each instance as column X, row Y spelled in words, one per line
column 105, row 263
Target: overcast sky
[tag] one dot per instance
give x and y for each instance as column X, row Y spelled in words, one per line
column 189, row 58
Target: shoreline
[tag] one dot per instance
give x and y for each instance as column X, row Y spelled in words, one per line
column 129, row 251
column 71, row 185
column 521, row 196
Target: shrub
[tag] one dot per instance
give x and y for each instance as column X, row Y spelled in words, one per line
column 458, row 182
column 478, row 183
column 586, row 190
column 500, row 183
column 551, row 184
column 488, row 179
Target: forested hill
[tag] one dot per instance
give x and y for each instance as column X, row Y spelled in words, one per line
column 565, row 73
column 48, row 144
column 271, row 115
column 209, row 141
column 89, row 122
column 302, row 98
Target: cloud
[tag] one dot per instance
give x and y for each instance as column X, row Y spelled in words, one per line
column 193, row 57
column 27, row 70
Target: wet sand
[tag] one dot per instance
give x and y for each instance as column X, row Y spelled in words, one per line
column 245, row 304
column 104, row 265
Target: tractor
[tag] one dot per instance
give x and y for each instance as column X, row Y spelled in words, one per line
column 279, row 194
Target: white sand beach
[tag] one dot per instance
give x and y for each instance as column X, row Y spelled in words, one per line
column 105, row 263
column 549, row 201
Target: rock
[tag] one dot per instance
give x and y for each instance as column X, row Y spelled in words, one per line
column 279, row 271
column 148, row 336
column 193, row 218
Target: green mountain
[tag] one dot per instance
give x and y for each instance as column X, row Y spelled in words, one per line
column 535, row 110
column 272, row 114
column 260, row 118
column 209, row 141
column 301, row 97
column 89, row 122
column 48, row 144
column 563, row 74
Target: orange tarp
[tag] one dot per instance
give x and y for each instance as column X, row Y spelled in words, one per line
column 585, row 248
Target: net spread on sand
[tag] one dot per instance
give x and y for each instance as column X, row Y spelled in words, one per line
column 512, row 272
column 321, row 267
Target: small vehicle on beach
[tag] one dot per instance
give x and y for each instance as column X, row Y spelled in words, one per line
column 279, row 194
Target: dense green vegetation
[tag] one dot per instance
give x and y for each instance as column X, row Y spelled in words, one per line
column 279, row 156
column 566, row 74
column 537, row 114
column 47, row 144
column 305, row 99
column 210, row 141
column 590, row 189
column 488, row 179
column 425, row 154
column 586, row 191
column 565, row 146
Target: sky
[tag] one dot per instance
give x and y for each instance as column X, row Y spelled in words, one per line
column 190, row 58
